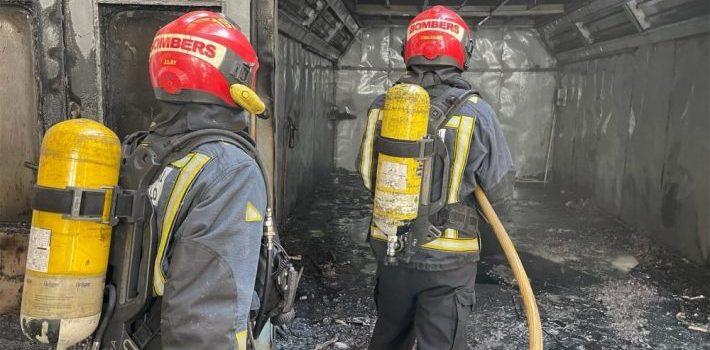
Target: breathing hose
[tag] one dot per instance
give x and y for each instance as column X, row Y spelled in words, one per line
column 526, row 292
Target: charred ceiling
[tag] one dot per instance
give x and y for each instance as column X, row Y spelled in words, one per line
column 601, row 27
column 325, row 27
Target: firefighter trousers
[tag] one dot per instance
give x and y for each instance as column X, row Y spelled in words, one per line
column 431, row 307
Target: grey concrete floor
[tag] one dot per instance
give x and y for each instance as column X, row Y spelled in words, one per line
column 599, row 285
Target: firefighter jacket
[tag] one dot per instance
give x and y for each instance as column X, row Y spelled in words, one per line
column 209, row 208
column 479, row 155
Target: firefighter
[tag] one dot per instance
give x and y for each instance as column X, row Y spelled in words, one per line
column 428, row 297
column 208, row 204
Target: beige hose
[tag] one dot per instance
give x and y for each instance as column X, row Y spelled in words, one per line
column 526, row 292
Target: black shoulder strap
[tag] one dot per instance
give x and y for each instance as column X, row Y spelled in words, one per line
column 443, row 107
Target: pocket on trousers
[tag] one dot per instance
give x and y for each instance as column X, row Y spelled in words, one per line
column 376, row 291
column 465, row 301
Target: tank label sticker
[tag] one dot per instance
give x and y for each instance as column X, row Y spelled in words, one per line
column 47, row 296
column 398, row 206
column 38, row 249
column 156, row 188
column 392, row 175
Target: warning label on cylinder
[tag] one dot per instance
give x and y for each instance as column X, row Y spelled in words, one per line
column 62, row 296
column 38, row 249
column 392, row 175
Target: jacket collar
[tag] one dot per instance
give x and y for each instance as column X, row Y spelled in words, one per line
column 177, row 118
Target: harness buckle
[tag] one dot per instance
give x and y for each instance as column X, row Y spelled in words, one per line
column 78, row 197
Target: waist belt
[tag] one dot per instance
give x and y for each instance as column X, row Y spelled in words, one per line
column 459, row 217
column 86, row 204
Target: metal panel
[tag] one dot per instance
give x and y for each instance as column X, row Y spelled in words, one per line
column 51, row 62
column 355, row 91
column 19, row 122
column 525, row 113
column 265, row 40
column 305, row 94
column 370, row 48
column 571, row 79
column 684, row 179
column 644, row 159
column 127, row 34
column 614, row 103
column 634, row 137
column 82, row 40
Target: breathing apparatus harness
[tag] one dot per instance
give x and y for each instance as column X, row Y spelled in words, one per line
column 429, row 150
column 133, row 247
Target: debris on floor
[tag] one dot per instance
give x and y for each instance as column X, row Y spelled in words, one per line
column 599, row 284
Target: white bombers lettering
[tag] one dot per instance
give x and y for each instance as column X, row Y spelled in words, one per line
column 447, row 27
column 207, row 50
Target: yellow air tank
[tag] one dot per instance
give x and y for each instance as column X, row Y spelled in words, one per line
column 405, row 118
column 68, row 254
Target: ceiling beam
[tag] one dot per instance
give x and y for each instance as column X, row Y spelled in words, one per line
column 494, row 12
column 465, row 11
column 673, row 31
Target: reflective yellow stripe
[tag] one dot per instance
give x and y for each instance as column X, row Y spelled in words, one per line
column 458, row 245
column 453, row 122
column 367, row 146
column 463, row 143
column 464, row 134
column 190, row 165
column 241, row 340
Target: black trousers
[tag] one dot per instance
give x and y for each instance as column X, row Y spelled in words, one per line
column 431, row 307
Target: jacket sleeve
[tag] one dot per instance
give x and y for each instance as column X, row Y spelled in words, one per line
column 212, row 270
column 490, row 164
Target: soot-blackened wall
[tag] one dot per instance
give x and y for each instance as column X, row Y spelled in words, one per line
column 634, row 136
column 305, row 97
column 19, row 123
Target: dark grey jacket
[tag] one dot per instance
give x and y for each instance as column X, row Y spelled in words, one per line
column 210, row 207
column 479, row 156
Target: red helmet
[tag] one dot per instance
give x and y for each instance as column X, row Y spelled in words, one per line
column 197, row 57
column 438, row 36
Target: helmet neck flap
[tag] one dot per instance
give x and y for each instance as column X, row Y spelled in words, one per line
column 179, row 118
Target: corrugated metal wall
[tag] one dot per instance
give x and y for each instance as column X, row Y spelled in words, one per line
column 510, row 67
column 19, row 123
column 634, row 137
column 305, row 95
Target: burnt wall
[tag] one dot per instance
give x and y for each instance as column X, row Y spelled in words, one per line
column 633, row 136
column 19, row 122
column 127, row 34
column 304, row 97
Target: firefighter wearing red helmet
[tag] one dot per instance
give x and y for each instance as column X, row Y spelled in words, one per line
column 428, row 297
column 185, row 267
